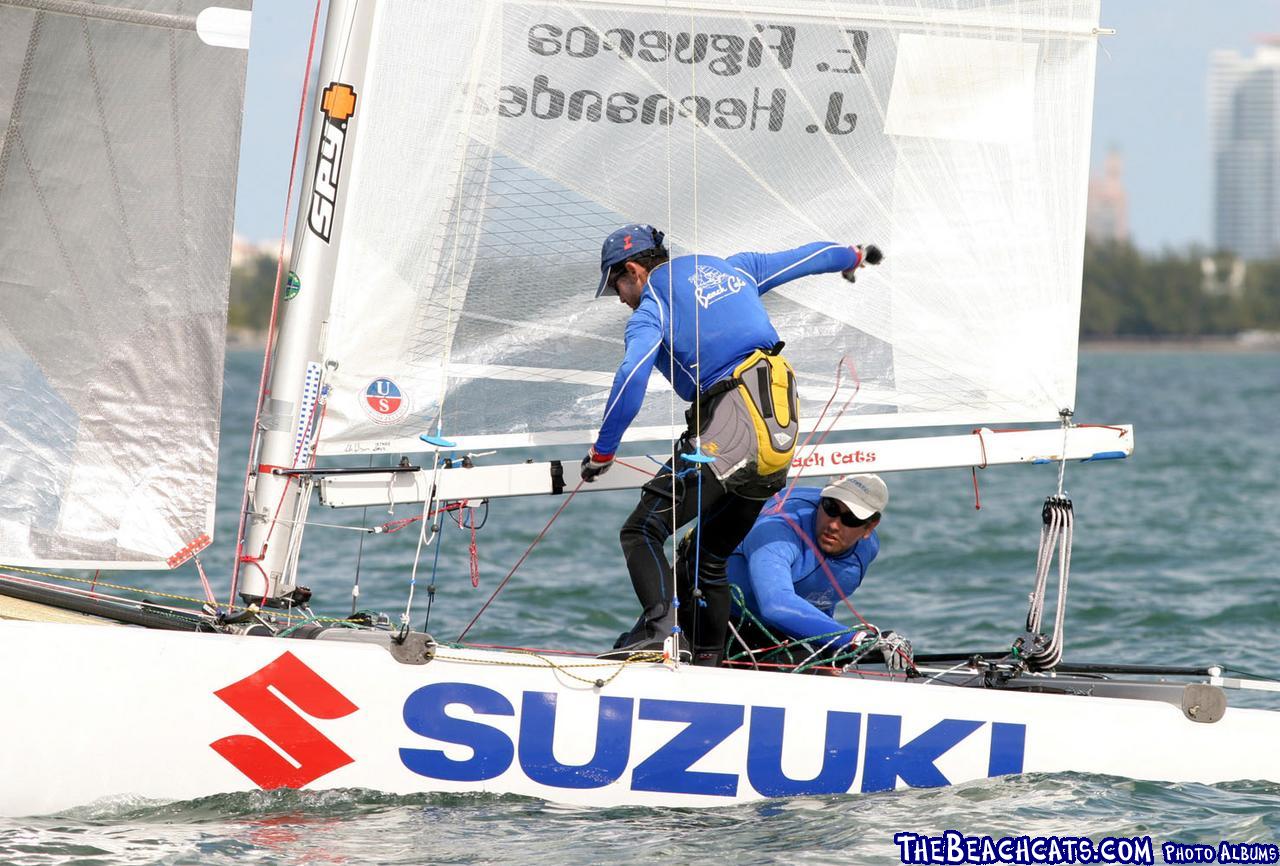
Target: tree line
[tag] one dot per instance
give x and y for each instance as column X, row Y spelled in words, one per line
column 1183, row 294
column 1127, row 293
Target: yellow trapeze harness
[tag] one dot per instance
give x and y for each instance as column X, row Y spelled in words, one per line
column 768, row 388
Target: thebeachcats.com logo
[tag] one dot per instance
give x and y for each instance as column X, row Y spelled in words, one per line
column 955, row 847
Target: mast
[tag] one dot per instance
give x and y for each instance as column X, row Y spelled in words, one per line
column 293, row 408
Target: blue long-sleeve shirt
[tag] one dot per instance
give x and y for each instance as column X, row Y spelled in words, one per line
column 781, row 575
column 700, row 317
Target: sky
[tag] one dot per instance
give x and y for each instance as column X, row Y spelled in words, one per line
column 1150, row 103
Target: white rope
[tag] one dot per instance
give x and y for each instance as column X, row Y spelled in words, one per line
column 671, row 356
column 961, row 666
column 1057, row 534
column 819, row 651
column 1062, row 461
column 459, row 204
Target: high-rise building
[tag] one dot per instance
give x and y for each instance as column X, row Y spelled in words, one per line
column 1108, row 214
column 1244, row 128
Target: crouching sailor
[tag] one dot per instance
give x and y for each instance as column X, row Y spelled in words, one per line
column 808, row 550
column 700, row 320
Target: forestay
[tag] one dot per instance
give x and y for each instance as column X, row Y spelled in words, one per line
column 119, row 135
column 496, row 143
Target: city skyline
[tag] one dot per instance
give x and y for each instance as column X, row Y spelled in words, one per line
column 1244, row 122
column 1151, row 106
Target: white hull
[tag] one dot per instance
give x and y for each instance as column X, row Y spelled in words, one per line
column 92, row 713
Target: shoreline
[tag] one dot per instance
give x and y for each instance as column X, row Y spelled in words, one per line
column 1247, row 341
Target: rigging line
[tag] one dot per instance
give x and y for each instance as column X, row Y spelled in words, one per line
column 565, row 669
column 636, row 468
column 204, row 582
column 94, row 584
column 355, row 583
column 799, row 668
column 304, row 483
column 697, row 356
column 381, row 529
column 462, row 143
column 982, row 443
column 417, row 554
column 457, row 222
column 305, row 486
column 826, row 568
column 841, row 365
column 961, row 666
column 522, row 558
column 431, row 587
column 671, row 335
column 254, row 438
column 1062, row 461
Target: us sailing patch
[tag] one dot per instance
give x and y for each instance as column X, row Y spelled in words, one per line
column 384, row 402
column 337, row 104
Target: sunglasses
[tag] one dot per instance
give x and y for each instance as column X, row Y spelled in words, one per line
column 614, row 274
column 832, row 508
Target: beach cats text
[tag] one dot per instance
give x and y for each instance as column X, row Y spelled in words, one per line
column 565, row 80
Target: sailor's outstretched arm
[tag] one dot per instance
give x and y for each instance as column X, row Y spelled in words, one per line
column 770, row 270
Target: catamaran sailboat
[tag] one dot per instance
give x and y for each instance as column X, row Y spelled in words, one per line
column 465, row 160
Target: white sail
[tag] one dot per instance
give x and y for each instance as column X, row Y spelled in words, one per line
column 119, row 135
column 500, row 141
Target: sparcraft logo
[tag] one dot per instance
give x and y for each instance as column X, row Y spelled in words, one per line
column 337, row 104
column 288, row 731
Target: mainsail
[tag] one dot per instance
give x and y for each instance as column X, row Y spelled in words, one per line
column 494, row 144
column 118, row 151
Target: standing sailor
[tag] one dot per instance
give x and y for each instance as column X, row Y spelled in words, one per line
column 700, row 319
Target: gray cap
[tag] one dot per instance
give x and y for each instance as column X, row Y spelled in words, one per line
column 864, row 494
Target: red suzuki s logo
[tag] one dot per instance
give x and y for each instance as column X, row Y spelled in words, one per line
column 253, row 698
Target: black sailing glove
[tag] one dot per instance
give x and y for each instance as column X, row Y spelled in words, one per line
column 867, row 255
column 594, row 465
column 897, row 652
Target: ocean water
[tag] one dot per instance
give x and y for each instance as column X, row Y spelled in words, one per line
column 1175, row 561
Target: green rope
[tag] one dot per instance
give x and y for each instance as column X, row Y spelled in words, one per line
column 785, row 646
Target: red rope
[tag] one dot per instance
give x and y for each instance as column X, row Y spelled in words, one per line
column 204, row 582
column 275, row 306
column 641, row 469
column 522, row 558
column 1120, row 430
column 826, row 568
column 474, row 553
column 289, row 480
column 977, row 499
column 396, row 525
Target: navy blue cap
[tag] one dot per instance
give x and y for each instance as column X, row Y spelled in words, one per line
column 626, row 242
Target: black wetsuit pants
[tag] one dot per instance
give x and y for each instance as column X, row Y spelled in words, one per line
column 668, row 502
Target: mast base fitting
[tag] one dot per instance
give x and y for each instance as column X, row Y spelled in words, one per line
column 299, row 596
